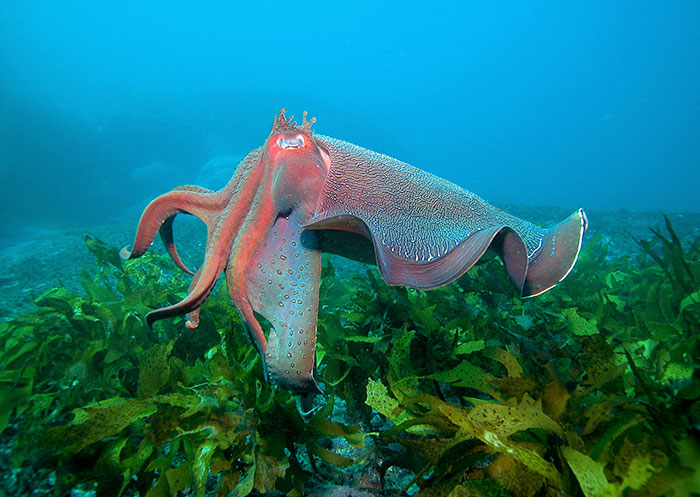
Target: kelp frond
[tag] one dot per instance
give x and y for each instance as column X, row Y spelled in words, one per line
column 592, row 390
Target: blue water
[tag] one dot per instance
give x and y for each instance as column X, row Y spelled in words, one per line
column 105, row 104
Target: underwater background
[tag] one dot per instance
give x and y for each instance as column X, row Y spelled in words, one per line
column 591, row 390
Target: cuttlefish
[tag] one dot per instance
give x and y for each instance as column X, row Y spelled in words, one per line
column 294, row 196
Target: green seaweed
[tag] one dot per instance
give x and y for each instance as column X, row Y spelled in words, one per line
column 150, row 412
column 590, row 390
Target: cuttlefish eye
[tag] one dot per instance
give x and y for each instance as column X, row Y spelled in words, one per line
column 289, row 143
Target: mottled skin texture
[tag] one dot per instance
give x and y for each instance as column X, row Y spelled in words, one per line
column 262, row 232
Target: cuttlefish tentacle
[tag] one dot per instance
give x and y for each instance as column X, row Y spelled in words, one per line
column 200, row 202
column 221, row 237
column 166, row 229
column 198, row 293
column 258, row 222
column 192, row 317
column 205, row 206
column 208, row 215
column 166, row 235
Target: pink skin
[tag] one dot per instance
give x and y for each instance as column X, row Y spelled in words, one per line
column 282, row 178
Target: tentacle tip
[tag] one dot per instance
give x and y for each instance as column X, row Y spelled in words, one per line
column 150, row 319
column 125, row 253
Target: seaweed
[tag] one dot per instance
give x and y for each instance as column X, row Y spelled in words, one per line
column 467, row 390
column 126, row 410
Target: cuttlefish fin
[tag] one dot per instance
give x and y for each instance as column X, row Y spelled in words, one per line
column 283, row 286
column 556, row 256
column 402, row 271
column 427, row 231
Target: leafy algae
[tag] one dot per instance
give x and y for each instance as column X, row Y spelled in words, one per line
column 591, row 390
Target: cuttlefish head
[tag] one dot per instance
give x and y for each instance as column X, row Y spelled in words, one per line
column 299, row 164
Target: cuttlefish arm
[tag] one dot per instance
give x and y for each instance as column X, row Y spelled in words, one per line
column 274, row 266
column 200, row 202
column 427, row 231
column 282, row 281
